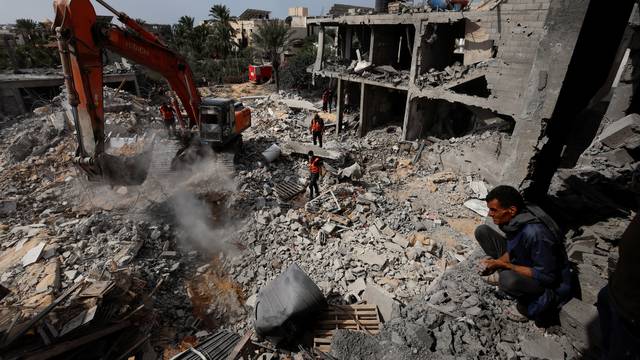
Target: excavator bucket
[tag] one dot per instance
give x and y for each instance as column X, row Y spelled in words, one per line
column 127, row 171
column 121, row 165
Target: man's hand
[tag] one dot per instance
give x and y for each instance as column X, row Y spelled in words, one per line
column 495, row 264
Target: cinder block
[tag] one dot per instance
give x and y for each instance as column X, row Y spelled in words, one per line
column 622, row 131
column 579, row 321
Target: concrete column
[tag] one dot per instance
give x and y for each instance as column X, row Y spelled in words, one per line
column 320, row 53
column 372, row 43
column 340, row 106
column 348, row 38
column 409, row 119
column 362, row 131
column 135, row 83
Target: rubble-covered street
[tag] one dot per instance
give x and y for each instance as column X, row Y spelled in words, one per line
column 186, row 252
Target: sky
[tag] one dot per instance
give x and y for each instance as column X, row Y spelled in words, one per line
column 169, row 11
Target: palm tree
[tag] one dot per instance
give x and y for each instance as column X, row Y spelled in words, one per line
column 271, row 38
column 183, row 33
column 220, row 13
column 26, row 28
column 222, row 37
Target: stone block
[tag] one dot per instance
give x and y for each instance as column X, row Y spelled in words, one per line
column 618, row 157
column 590, row 283
column 579, row 321
column 621, row 131
column 384, row 300
column 542, row 348
column 371, row 258
column 8, row 207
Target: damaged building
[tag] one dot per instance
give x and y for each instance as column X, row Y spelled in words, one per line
column 518, row 65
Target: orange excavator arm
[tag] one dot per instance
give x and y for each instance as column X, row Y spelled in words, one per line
column 81, row 40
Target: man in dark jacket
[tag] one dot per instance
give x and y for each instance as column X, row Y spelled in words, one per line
column 529, row 262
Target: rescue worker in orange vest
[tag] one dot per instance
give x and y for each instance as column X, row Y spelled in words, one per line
column 315, row 165
column 169, row 120
column 317, row 128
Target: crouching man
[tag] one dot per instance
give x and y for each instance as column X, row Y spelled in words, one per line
column 529, row 262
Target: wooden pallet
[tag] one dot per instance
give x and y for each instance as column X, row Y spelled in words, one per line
column 288, row 189
column 363, row 318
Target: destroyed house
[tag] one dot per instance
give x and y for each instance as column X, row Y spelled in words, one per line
column 519, row 63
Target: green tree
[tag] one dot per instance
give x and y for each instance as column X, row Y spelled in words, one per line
column 27, row 28
column 183, row 33
column 221, row 39
column 272, row 38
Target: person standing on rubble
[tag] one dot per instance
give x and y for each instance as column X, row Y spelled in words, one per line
column 315, row 165
column 619, row 301
column 317, row 128
column 529, row 262
column 325, row 99
column 168, row 118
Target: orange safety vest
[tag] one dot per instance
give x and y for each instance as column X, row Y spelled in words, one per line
column 314, row 168
column 166, row 112
column 316, row 126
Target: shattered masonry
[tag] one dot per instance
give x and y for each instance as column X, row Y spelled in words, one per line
column 516, row 63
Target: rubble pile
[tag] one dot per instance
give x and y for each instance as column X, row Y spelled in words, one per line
column 165, row 264
column 367, row 70
column 457, row 71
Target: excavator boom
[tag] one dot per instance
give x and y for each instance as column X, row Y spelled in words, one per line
column 81, row 41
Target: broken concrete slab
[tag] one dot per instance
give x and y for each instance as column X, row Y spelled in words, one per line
column 362, row 66
column 618, row 157
column 542, row 348
column 578, row 247
column 479, row 189
column 353, row 172
column 579, row 320
column 59, row 120
column 33, row 254
column 477, row 206
column 293, row 147
column 357, row 286
column 400, row 240
column 384, row 300
column 299, row 104
column 590, row 283
column 621, row 131
column 371, row 258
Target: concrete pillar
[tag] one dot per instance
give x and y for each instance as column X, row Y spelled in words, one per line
column 135, row 83
column 340, row 106
column 362, row 130
column 348, row 38
column 372, row 43
column 409, row 119
column 320, row 53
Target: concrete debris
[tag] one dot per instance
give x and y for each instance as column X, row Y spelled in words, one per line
column 183, row 251
column 353, row 172
column 621, row 132
column 477, row 206
column 542, row 348
column 382, row 299
column 580, row 322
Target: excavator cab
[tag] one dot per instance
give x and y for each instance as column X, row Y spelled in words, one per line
column 222, row 121
column 216, row 120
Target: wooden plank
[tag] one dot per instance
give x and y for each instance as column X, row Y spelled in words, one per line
column 73, row 344
column 241, row 346
column 373, row 323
